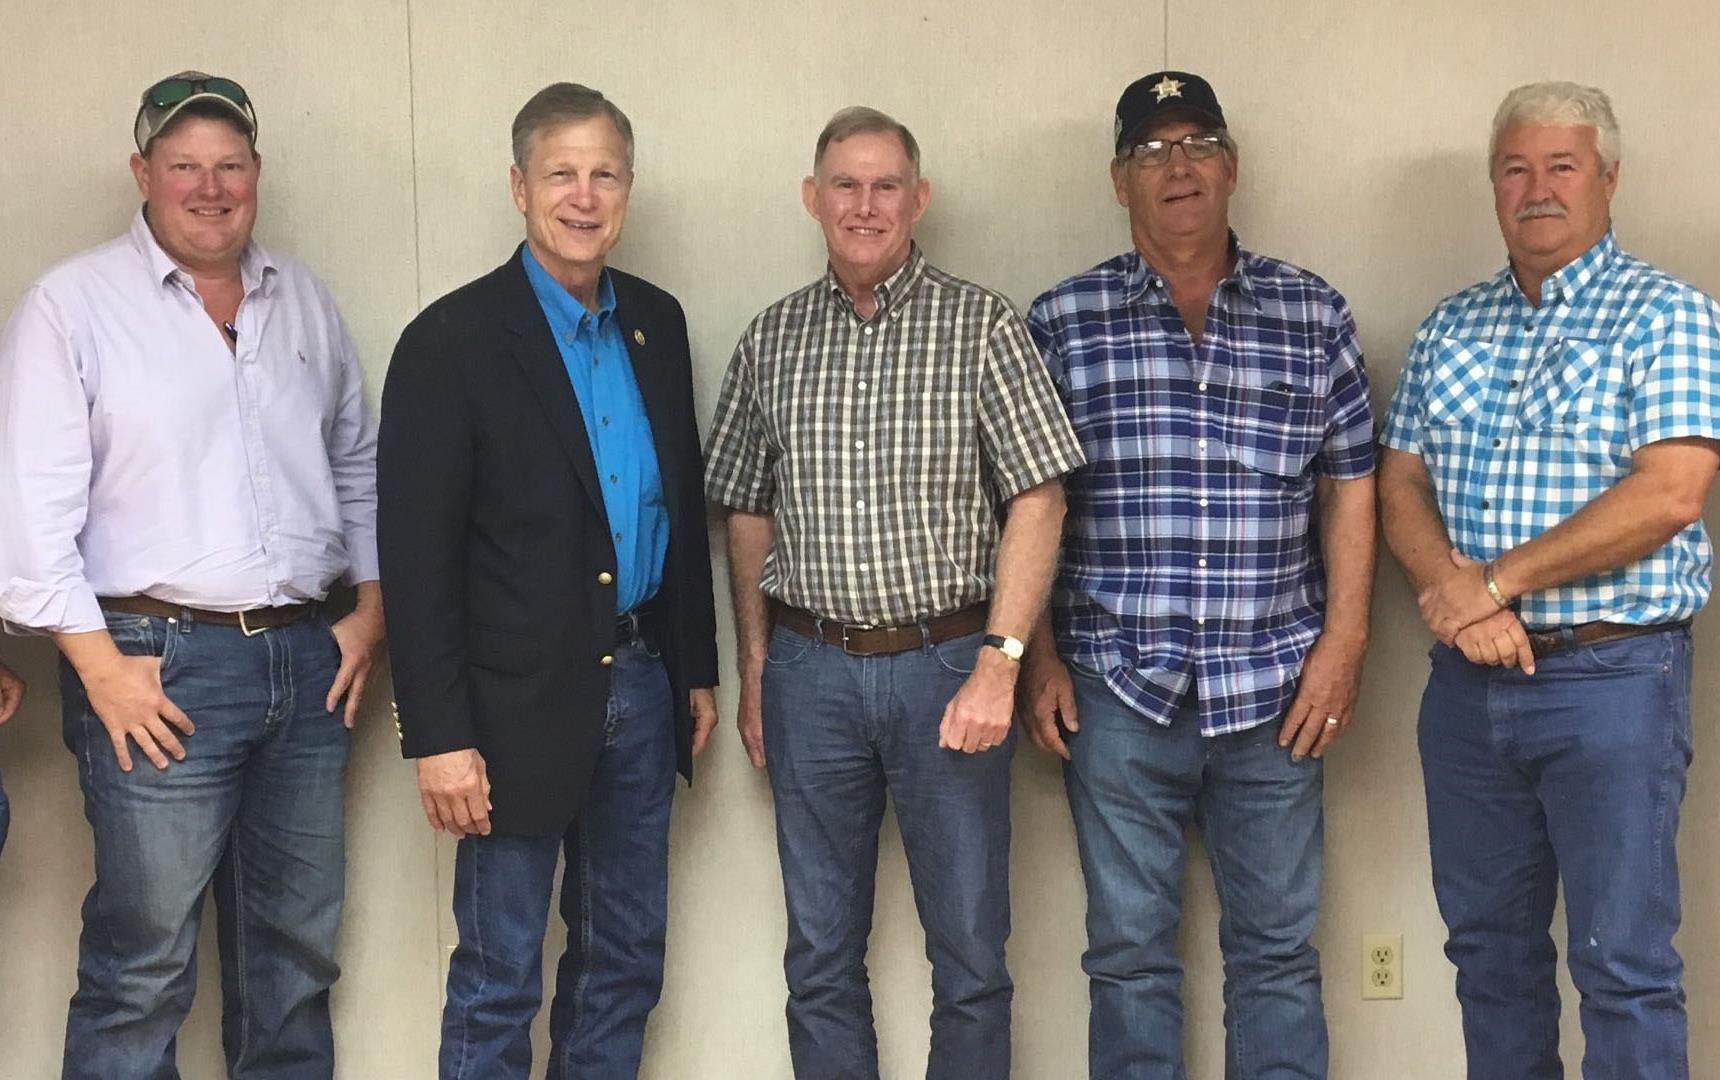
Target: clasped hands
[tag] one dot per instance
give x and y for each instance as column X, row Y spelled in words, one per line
column 1462, row 613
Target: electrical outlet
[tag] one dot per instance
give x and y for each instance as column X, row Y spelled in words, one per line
column 1382, row 966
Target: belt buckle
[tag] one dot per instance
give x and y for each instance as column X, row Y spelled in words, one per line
column 245, row 627
column 845, row 648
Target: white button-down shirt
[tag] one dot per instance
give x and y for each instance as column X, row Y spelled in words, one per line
column 138, row 455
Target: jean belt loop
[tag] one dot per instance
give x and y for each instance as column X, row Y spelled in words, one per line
column 1568, row 638
column 184, row 620
column 817, row 631
column 925, row 635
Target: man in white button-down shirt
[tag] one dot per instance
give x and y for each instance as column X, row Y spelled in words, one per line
column 186, row 467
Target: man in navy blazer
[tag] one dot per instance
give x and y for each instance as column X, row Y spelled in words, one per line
column 542, row 531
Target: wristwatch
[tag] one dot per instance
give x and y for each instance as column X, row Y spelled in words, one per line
column 1008, row 646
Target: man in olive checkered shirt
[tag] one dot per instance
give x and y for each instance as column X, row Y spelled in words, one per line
column 1547, row 454
column 873, row 429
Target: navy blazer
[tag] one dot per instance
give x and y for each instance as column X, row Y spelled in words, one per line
column 497, row 566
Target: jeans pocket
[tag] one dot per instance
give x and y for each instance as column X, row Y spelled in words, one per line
column 1644, row 652
column 959, row 656
column 144, row 635
column 786, row 648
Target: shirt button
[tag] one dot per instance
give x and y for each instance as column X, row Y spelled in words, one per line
column 1200, row 562
column 606, row 421
column 606, row 660
column 1203, row 388
column 859, row 504
column 1528, row 324
column 1200, row 622
column 1513, row 384
column 864, row 568
column 1486, row 504
column 1498, row 442
column 1201, row 444
column 613, row 479
column 867, row 331
column 1203, row 502
column 861, row 385
column 859, row 444
column 617, row 536
column 605, row 578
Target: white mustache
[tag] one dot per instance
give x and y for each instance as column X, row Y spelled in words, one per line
column 1544, row 208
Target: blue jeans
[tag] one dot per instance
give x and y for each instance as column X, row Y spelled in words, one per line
column 614, row 900
column 1133, row 789
column 839, row 731
column 255, row 807
column 1569, row 776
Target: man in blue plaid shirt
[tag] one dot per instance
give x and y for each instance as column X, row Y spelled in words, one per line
column 1211, row 609
column 1548, row 451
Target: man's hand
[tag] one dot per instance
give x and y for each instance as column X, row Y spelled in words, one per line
column 1498, row 640
column 126, row 695
column 1047, row 694
column 977, row 718
column 455, row 790
column 703, row 703
column 359, row 636
column 750, row 718
column 11, row 693
column 1331, row 678
column 1456, row 600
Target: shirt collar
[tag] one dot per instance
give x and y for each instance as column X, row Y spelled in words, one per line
column 1139, row 277
column 1576, row 274
column 893, row 290
column 1570, row 279
column 257, row 267
column 565, row 311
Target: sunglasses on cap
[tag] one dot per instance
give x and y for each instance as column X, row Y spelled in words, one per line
column 170, row 92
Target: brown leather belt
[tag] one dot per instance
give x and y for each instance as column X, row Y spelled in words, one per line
column 882, row 640
column 1548, row 642
column 254, row 621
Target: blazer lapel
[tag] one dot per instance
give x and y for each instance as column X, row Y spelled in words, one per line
column 642, row 349
column 536, row 352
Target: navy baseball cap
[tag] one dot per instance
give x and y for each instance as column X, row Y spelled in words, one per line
column 1164, row 93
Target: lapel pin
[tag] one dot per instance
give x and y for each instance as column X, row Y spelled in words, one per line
column 639, row 337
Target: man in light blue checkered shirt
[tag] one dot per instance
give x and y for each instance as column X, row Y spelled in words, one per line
column 1548, row 451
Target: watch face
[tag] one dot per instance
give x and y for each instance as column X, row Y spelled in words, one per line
column 1008, row 646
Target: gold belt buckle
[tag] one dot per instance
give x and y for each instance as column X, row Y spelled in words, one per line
column 245, row 628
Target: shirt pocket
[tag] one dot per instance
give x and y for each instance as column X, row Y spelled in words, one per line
column 1282, row 426
column 1560, row 393
column 1455, row 391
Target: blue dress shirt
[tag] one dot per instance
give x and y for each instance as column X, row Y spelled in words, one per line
column 595, row 355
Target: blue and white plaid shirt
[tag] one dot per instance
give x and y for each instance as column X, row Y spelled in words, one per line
column 1523, row 415
column 1188, row 551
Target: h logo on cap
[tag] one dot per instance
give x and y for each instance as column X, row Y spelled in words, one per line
column 1167, row 87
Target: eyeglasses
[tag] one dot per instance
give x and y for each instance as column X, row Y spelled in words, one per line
column 1196, row 147
column 170, row 92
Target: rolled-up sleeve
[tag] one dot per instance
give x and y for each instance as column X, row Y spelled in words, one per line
column 1024, row 431
column 352, row 461
column 45, row 463
column 739, row 463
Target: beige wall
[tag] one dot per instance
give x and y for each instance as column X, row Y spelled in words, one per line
column 384, row 125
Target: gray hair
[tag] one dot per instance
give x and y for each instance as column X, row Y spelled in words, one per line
column 1564, row 104
column 863, row 120
column 566, row 103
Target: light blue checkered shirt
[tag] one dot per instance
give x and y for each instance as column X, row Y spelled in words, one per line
column 1524, row 414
